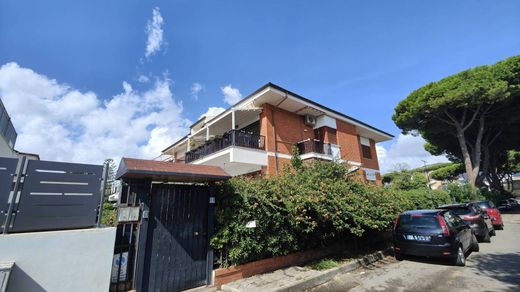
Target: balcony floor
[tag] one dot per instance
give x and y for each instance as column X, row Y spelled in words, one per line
column 236, row 160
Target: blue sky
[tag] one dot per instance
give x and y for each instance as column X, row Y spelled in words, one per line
column 359, row 57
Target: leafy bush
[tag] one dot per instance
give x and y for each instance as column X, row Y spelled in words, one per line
column 495, row 196
column 297, row 210
column 463, row 192
column 448, row 172
column 406, row 180
column 423, row 198
column 109, row 215
column 309, row 205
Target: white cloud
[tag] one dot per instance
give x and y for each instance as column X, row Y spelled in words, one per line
column 143, row 79
column 196, row 88
column 61, row 123
column 231, row 95
column 213, row 112
column 407, row 151
column 154, row 31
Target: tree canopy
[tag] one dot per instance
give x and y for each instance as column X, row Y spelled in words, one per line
column 471, row 116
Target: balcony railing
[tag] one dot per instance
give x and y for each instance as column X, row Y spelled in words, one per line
column 314, row 146
column 231, row 138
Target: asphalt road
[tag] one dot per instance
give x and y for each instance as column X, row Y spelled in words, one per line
column 495, row 268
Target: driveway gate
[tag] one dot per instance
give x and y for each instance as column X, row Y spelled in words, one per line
column 44, row 195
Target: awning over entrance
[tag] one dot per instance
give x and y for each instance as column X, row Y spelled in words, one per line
column 169, row 171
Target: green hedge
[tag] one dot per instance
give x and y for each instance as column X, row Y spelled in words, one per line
column 312, row 206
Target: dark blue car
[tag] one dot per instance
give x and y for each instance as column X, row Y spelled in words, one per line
column 433, row 233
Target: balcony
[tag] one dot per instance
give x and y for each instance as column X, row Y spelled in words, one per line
column 231, row 138
column 314, row 146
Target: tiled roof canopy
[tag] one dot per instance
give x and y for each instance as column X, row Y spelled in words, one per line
column 170, row 171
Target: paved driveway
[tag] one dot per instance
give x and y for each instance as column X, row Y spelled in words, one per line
column 495, row 268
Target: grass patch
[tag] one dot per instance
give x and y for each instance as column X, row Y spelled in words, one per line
column 324, row 264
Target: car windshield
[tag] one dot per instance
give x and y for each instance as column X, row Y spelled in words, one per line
column 418, row 221
column 486, row 204
column 461, row 210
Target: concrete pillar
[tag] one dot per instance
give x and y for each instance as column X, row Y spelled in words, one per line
column 233, row 123
column 207, row 133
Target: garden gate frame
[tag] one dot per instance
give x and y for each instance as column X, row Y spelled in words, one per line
column 178, row 187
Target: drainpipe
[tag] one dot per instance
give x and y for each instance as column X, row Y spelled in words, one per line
column 275, row 144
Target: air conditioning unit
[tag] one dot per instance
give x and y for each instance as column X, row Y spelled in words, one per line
column 310, row 120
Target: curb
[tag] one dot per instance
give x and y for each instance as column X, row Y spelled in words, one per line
column 329, row 274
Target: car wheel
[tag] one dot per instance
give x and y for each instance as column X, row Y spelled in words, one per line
column 493, row 232
column 501, row 227
column 474, row 244
column 460, row 259
column 486, row 237
column 398, row 256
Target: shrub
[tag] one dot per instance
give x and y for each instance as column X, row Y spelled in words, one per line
column 448, row 172
column 463, row 192
column 297, row 210
column 495, row 196
column 423, row 198
column 406, row 180
column 109, row 215
column 309, row 205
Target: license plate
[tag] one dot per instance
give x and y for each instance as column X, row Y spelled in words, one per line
column 417, row 237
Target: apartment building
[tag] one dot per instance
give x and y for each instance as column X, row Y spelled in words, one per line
column 8, row 137
column 256, row 135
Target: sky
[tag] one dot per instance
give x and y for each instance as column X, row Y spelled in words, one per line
column 87, row 80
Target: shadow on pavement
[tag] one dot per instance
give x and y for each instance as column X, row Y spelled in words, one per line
column 425, row 260
column 504, row 267
column 512, row 211
column 433, row 261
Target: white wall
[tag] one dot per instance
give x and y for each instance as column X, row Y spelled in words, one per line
column 325, row 121
column 72, row 260
column 5, row 149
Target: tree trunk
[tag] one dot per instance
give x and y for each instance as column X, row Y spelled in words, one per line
column 466, row 156
column 495, row 180
column 485, row 168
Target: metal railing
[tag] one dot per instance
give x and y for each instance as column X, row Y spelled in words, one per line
column 314, row 146
column 231, row 138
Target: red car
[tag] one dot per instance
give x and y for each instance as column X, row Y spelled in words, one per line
column 493, row 213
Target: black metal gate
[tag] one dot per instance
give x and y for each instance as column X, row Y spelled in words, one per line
column 40, row 195
column 176, row 253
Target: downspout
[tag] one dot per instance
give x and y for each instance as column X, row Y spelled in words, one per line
column 275, row 143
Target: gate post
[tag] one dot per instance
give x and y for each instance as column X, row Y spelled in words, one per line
column 142, row 188
column 211, row 220
column 20, row 170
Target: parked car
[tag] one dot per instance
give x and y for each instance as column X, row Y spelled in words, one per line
column 505, row 205
column 478, row 219
column 492, row 211
column 513, row 202
column 433, row 233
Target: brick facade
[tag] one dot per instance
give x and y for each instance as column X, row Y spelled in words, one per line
column 291, row 129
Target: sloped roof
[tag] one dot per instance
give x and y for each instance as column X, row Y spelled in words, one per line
column 171, row 171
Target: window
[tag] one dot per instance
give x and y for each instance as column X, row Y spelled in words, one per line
column 366, row 152
column 370, row 174
column 365, row 148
